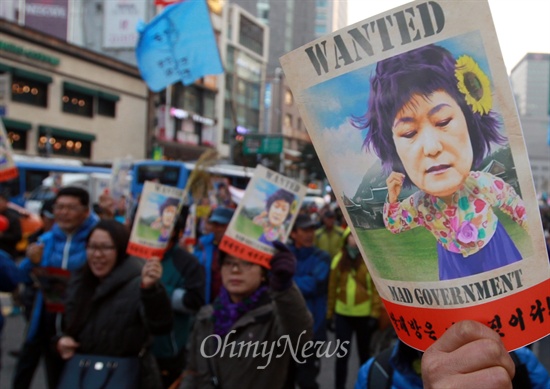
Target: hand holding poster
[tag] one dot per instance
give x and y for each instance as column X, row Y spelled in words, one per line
column 413, row 119
column 158, row 211
column 264, row 215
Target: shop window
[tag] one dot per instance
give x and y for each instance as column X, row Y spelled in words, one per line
column 27, row 91
column 106, row 107
column 18, row 139
column 77, row 103
column 53, row 141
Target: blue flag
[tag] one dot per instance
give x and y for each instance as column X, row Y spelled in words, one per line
column 178, row 45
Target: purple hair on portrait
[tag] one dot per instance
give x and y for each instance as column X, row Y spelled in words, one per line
column 169, row 202
column 280, row 194
column 421, row 72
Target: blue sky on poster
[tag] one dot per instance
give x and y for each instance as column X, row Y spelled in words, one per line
column 521, row 26
column 333, row 103
column 262, row 190
column 151, row 207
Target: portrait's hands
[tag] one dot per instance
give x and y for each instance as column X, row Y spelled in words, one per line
column 468, row 355
column 395, row 183
column 66, row 346
column 151, row 273
column 34, row 252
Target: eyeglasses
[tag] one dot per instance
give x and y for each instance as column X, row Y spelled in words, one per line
column 101, row 249
column 241, row 266
column 67, row 207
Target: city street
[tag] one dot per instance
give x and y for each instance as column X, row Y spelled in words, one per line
column 15, row 327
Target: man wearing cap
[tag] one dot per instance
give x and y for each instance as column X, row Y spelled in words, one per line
column 207, row 251
column 329, row 236
column 312, row 271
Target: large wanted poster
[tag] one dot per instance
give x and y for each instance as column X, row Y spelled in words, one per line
column 412, row 116
column 264, row 215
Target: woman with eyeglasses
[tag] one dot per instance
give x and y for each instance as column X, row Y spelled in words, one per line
column 245, row 337
column 115, row 303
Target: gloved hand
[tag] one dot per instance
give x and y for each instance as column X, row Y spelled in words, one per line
column 283, row 267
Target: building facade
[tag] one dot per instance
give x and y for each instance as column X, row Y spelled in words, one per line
column 59, row 99
column 530, row 80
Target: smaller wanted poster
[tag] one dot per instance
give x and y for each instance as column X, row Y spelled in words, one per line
column 156, row 215
column 264, row 215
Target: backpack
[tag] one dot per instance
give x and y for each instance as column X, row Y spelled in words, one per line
column 380, row 375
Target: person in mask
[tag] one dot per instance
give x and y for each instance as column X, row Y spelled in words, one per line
column 353, row 304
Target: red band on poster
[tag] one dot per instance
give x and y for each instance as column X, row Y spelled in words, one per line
column 520, row 319
column 240, row 250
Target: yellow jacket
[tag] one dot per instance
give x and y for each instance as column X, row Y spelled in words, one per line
column 352, row 292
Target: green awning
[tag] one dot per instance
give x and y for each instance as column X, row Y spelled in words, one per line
column 12, row 124
column 53, row 131
column 5, row 68
column 109, row 96
column 80, row 89
column 32, row 76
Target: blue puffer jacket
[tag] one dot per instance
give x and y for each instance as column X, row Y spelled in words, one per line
column 405, row 377
column 8, row 278
column 311, row 277
column 62, row 251
column 204, row 251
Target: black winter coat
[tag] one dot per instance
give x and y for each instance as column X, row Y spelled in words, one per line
column 123, row 317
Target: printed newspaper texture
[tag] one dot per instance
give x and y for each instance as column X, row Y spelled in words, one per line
column 412, row 116
column 8, row 171
column 158, row 211
column 265, row 214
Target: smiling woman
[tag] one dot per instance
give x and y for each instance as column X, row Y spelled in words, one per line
column 115, row 303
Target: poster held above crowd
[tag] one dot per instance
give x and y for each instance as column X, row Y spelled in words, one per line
column 413, row 119
column 157, row 212
column 264, row 215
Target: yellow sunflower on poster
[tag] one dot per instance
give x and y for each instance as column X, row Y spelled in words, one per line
column 474, row 84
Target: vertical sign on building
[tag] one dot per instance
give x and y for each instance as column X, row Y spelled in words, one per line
column 48, row 16
column 7, row 10
column 120, row 20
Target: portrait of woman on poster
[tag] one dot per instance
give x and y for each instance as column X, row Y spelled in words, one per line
column 272, row 219
column 168, row 211
column 431, row 123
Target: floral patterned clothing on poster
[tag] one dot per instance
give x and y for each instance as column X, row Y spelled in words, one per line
column 467, row 225
column 271, row 232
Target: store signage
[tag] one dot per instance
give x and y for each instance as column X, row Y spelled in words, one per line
column 35, row 55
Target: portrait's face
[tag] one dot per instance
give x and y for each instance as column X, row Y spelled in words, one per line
column 168, row 215
column 278, row 212
column 101, row 253
column 432, row 140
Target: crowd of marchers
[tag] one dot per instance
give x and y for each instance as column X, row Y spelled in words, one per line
column 167, row 314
